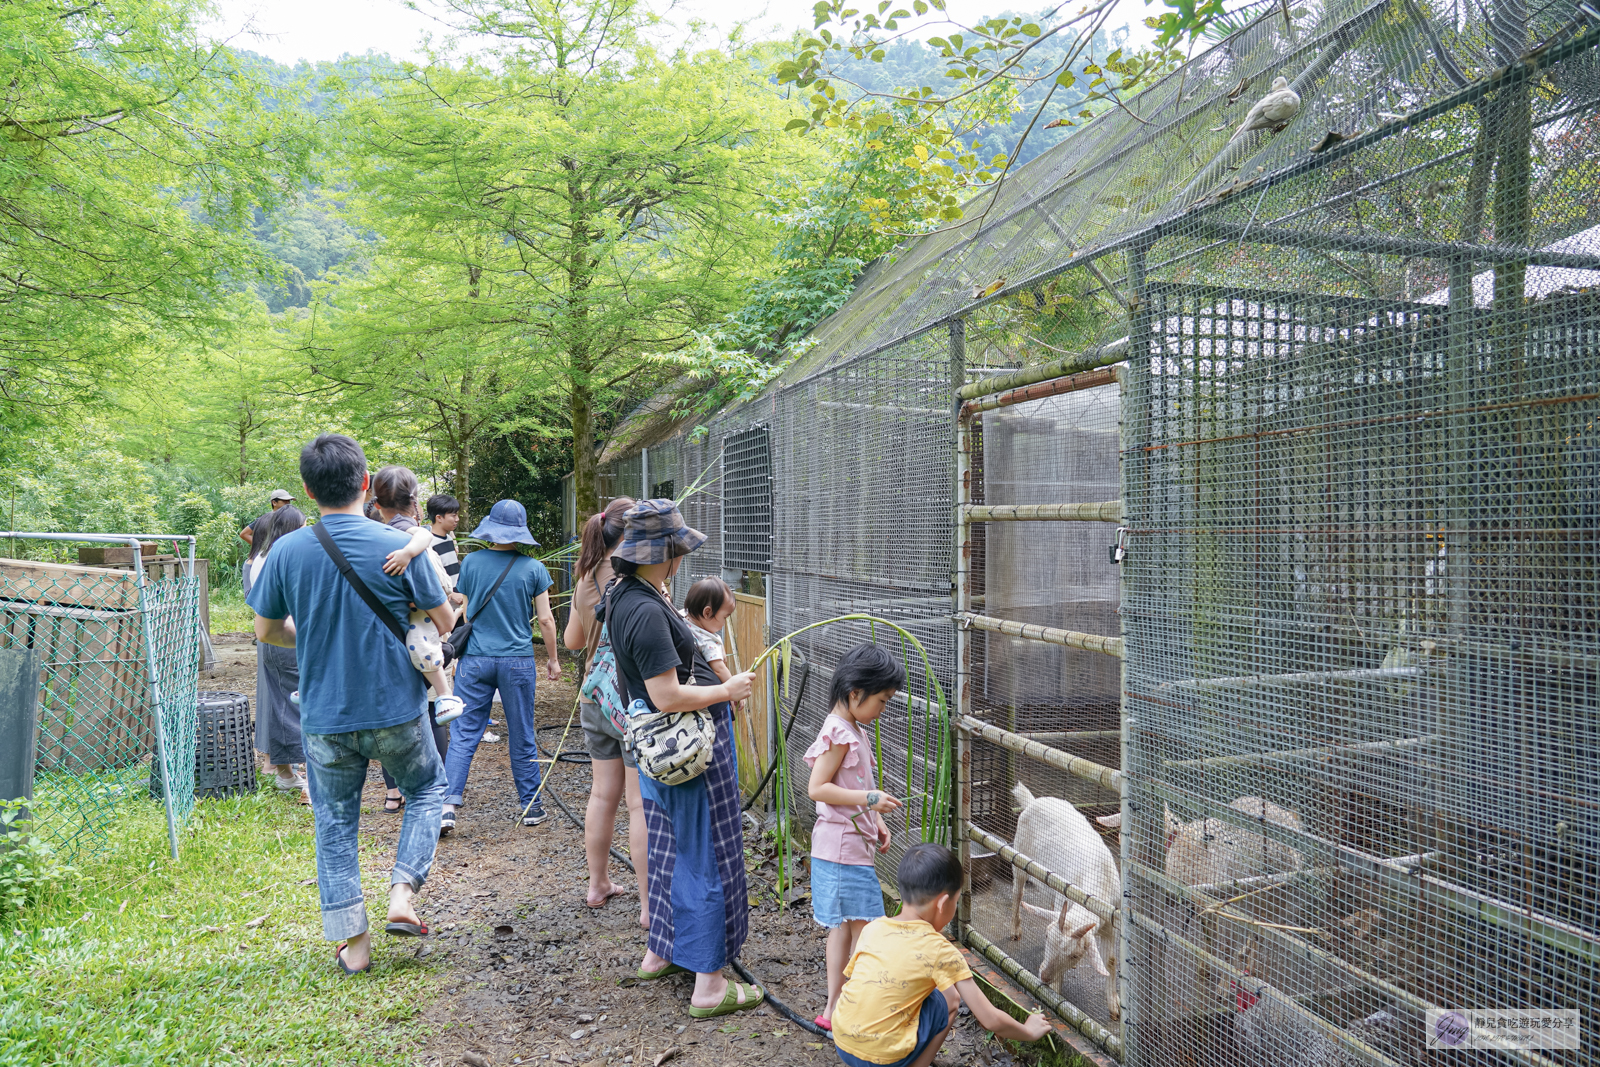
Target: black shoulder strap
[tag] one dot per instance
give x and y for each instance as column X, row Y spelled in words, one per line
column 512, row 562
column 356, row 583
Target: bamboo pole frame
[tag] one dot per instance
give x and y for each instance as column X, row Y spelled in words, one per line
column 1244, row 681
column 1105, row 777
column 1103, row 1039
column 1263, row 990
column 1050, row 635
column 1076, row 363
column 1024, row 862
column 1250, row 759
column 1100, row 511
column 1403, row 875
column 1196, row 895
column 961, row 593
column 1059, row 737
column 1070, row 383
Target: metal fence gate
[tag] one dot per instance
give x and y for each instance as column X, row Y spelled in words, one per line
column 117, row 653
column 1038, row 695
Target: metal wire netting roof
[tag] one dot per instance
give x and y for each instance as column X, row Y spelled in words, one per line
column 1390, row 120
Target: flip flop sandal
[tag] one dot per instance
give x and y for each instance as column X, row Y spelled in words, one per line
column 651, row 976
column 407, row 929
column 398, row 802
column 754, row 996
column 338, row 957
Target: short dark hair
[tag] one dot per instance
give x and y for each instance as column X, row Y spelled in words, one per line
column 925, row 871
column 442, row 504
column 333, row 467
column 706, row 597
column 623, row 568
column 868, row 669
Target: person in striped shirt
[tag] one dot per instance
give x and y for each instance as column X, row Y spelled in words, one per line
column 444, row 513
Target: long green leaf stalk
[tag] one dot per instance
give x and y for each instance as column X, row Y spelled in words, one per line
column 934, row 796
column 695, row 487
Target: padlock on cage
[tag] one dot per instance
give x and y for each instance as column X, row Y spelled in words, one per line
column 1119, row 548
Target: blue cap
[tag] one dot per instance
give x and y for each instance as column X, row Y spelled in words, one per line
column 507, row 524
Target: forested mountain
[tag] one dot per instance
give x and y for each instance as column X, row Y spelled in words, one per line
column 911, row 64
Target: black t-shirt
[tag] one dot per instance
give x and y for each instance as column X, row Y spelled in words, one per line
column 649, row 638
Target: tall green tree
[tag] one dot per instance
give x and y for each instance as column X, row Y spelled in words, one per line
column 551, row 214
column 132, row 156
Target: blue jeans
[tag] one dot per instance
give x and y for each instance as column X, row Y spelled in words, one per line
column 477, row 677
column 336, row 770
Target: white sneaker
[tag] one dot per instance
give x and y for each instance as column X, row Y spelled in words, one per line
column 448, row 709
column 491, row 737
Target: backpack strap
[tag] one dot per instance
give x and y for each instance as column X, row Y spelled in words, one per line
column 594, row 636
column 356, row 583
column 512, row 562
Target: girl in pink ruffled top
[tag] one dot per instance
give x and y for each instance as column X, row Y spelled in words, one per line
column 844, row 885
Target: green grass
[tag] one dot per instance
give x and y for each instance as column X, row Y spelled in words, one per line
column 229, row 613
column 120, row 965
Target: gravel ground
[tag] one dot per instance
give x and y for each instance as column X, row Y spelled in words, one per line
column 530, row 974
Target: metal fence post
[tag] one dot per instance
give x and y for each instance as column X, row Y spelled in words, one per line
column 961, row 562
column 1138, row 816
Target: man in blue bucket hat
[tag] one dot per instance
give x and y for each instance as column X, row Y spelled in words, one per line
column 501, row 585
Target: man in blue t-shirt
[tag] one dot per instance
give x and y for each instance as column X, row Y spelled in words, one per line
column 500, row 655
column 360, row 697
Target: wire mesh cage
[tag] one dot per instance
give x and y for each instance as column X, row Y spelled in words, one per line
column 118, row 651
column 1325, row 380
column 1359, row 600
column 747, row 500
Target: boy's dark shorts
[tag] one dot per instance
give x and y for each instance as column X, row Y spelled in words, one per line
column 931, row 1022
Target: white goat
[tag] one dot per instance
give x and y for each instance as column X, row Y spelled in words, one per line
column 1208, row 851
column 1056, row 834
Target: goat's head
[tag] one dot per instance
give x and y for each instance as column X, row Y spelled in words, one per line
column 1069, row 941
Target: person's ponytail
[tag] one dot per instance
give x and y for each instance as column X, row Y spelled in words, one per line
column 601, row 534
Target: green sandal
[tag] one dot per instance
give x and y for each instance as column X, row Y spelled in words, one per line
column 651, row 976
column 754, row 996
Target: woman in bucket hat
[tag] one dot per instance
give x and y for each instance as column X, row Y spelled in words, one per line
column 500, row 585
column 699, row 911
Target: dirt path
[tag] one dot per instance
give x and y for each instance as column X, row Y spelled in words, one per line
column 532, row 975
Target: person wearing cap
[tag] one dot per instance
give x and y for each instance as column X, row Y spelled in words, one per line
column 500, row 656
column 277, row 500
column 699, row 907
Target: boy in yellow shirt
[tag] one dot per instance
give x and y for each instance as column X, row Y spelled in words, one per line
column 905, row 980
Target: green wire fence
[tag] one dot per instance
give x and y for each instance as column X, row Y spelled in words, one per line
column 118, row 655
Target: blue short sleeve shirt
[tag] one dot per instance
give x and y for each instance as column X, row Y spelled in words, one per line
column 354, row 673
column 501, row 627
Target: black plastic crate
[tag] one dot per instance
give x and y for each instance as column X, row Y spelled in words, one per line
column 224, row 756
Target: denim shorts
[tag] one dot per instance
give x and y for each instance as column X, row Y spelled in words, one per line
column 600, row 734
column 931, row 1021
column 841, row 892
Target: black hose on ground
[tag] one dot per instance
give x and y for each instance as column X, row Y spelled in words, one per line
column 571, row 755
column 779, row 1006
column 805, row 676
column 551, row 793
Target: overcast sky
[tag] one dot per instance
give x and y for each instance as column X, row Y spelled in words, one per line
column 289, row 30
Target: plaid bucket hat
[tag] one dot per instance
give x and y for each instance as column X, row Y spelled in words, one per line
column 654, row 532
